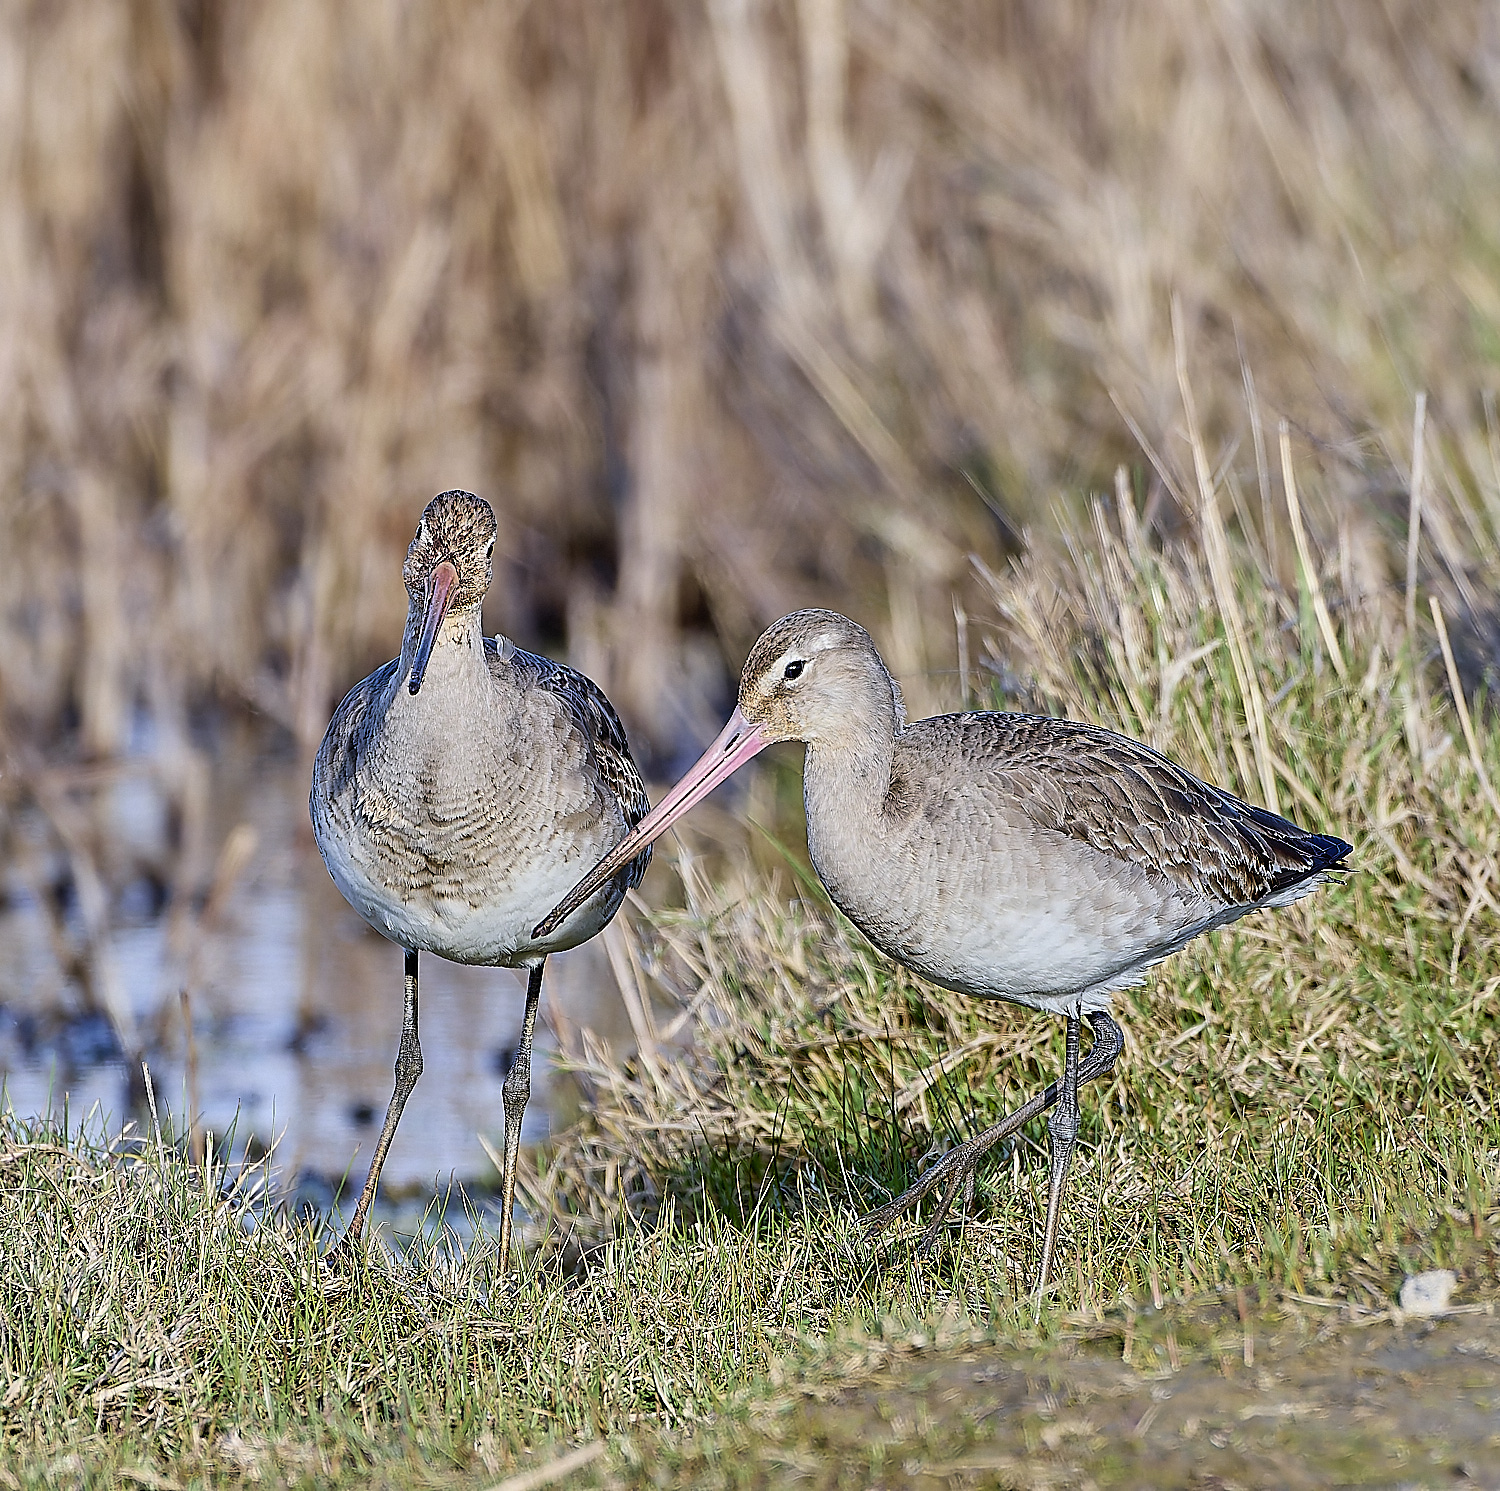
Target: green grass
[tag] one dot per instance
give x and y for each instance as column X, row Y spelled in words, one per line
column 148, row 1332
column 1305, row 1112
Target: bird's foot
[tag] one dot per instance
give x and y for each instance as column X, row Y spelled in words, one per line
column 963, row 1180
column 958, row 1164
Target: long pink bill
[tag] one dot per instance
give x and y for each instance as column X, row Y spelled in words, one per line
column 737, row 743
column 440, row 592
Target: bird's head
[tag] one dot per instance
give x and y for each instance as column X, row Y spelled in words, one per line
column 816, row 676
column 813, row 676
column 448, row 566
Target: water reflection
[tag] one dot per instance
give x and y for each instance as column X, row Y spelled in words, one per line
column 295, row 1002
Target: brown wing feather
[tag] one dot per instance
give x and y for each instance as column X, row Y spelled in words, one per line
column 598, row 723
column 1132, row 803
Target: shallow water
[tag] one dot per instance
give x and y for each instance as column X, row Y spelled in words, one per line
column 295, row 1003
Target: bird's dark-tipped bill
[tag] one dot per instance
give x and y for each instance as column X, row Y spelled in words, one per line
column 439, row 593
column 737, row 743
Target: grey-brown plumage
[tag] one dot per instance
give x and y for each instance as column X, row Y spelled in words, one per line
column 462, row 787
column 1025, row 821
column 1127, row 801
column 471, row 818
column 1009, row 856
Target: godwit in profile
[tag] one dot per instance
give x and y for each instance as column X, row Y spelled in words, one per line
column 1008, row 856
column 460, row 790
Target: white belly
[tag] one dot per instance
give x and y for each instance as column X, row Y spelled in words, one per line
column 1053, row 925
column 492, row 930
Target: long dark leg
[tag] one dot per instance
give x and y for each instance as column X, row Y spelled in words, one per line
column 959, row 1162
column 1062, row 1131
column 515, row 1092
column 1062, row 1127
column 408, row 1069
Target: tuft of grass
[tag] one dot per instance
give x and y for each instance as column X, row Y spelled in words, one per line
column 148, row 1317
column 154, row 1330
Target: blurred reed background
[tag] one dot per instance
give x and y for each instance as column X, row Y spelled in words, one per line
column 727, row 307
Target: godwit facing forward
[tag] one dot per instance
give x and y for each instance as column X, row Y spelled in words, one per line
column 460, row 790
column 1008, row 856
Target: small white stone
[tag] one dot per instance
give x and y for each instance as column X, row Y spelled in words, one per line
column 1429, row 1293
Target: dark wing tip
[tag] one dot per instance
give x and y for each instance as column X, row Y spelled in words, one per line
column 1320, row 851
column 1329, row 852
column 1324, row 853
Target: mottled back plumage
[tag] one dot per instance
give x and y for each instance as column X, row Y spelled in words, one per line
column 1129, row 802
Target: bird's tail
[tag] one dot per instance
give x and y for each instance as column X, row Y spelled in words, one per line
column 1327, row 852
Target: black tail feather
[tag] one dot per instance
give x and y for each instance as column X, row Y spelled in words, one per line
column 1317, row 852
column 1328, row 853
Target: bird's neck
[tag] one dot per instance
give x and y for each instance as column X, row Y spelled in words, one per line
column 848, row 770
column 844, row 787
column 850, row 747
column 457, row 653
column 846, row 777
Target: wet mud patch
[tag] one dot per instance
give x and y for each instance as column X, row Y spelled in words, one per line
column 1381, row 1401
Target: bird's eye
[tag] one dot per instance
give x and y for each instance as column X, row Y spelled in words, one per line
column 793, row 669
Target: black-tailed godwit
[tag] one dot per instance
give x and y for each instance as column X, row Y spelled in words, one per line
column 1008, row 856
column 460, row 790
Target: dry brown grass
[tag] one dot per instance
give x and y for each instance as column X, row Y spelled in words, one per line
column 728, row 308
column 725, row 307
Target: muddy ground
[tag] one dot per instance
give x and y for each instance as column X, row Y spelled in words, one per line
column 1314, row 1399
